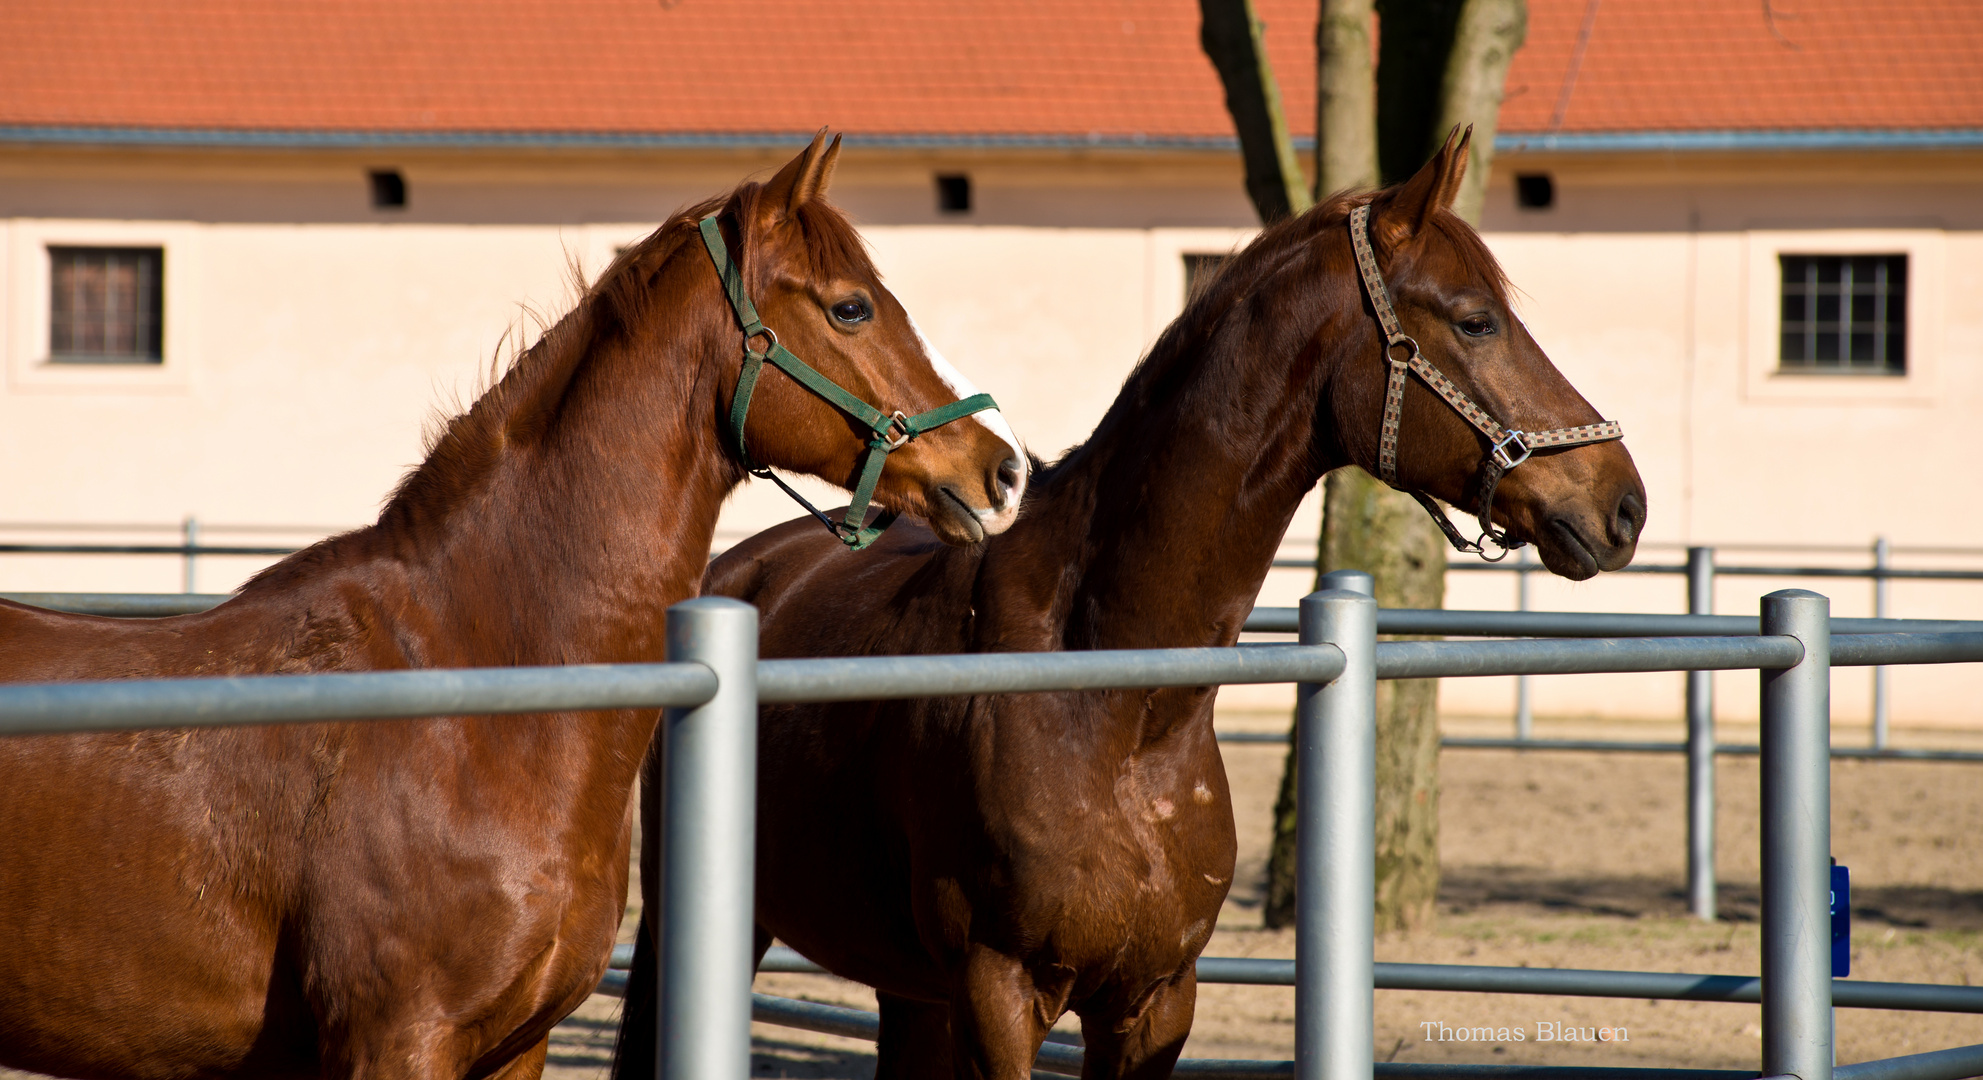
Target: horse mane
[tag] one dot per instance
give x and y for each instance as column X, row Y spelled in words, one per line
column 1190, row 337
column 463, row 451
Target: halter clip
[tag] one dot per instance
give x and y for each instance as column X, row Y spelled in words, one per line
column 1507, row 460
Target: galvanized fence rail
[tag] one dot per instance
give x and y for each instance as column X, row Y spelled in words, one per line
column 714, row 682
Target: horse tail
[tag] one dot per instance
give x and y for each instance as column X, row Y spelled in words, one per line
column 634, row 1050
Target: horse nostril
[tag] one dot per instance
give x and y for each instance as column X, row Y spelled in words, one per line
column 1009, row 474
column 1629, row 519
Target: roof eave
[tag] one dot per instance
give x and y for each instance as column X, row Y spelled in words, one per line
column 314, row 139
column 1628, row 142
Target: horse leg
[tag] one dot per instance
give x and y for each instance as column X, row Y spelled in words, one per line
column 1143, row 1042
column 1001, row 1014
column 915, row 1040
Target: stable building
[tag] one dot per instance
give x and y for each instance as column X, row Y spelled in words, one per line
column 250, row 251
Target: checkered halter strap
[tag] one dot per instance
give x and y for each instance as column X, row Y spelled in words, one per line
column 1506, row 448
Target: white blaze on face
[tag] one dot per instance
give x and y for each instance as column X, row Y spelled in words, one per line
column 991, row 419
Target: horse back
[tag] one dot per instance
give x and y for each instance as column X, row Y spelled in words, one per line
column 908, row 593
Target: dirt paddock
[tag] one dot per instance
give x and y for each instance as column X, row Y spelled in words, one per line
column 1577, row 860
column 1557, row 860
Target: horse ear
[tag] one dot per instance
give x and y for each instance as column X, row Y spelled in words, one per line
column 1433, row 189
column 803, row 178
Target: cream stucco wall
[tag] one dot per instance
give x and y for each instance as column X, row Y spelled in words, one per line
column 311, row 338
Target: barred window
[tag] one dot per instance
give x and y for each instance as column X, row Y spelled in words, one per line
column 1844, row 314
column 106, row 305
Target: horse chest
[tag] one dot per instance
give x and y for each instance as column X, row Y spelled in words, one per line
column 1138, row 863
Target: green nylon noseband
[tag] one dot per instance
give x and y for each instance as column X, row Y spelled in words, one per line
column 889, row 431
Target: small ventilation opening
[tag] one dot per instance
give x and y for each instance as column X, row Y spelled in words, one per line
column 953, row 194
column 1535, row 191
column 388, row 189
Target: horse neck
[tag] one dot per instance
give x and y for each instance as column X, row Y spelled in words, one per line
column 557, row 520
column 1159, row 530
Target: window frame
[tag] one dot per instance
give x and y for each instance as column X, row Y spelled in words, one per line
column 1882, row 294
column 1765, row 379
column 26, row 279
column 150, row 294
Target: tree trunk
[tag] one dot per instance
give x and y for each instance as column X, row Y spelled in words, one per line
column 1345, row 99
column 1366, row 525
column 1484, row 44
column 1231, row 36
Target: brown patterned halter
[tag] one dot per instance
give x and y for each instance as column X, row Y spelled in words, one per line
column 1506, row 448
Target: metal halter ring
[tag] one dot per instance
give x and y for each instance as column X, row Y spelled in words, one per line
column 908, row 433
column 767, row 332
column 1402, row 339
column 1507, row 460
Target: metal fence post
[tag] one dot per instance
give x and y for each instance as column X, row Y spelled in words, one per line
column 1524, row 705
column 1336, row 838
column 709, row 818
column 1796, row 811
column 1882, row 560
column 1700, row 748
column 191, row 531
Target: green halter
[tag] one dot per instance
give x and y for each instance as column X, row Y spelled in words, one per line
column 891, row 431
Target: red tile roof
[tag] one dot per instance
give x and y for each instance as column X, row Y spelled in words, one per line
column 1692, row 65
column 1073, row 70
column 889, row 67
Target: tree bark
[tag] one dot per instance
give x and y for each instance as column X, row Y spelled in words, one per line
column 1366, row 525
column 1484, row 44
column 1232, row 37
column 1345, row 99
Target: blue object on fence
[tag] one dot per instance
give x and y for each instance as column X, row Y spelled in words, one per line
column 1841, row 922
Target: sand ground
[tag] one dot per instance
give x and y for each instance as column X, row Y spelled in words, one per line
column 1570, row 860
column 1553, row 859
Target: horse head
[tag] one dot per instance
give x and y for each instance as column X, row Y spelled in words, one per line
column 818, row 292
column 1583, row 505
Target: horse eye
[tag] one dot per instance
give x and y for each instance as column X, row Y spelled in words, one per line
column 852, row 311
column 1477, row 326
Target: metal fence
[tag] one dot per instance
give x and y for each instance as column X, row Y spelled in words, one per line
column 1701, row 568
column 1700, row 746
column 714, row 683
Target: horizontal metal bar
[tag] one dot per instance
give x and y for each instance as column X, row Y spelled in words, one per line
column 1849, row 572
column 1434, row 1071
column 1614, row 746
column 127, row 605
column 141, row 549
column 1602, row 746
column 1733, row 571
column 1864, row 650
column 135, row 704
column 1449, row 623
column 1862, row 753
column 870, row 678
column 1952, row 1064
column 1065, row 1060
column 1565, row 982
column 1574, row 624
column 1448, row 659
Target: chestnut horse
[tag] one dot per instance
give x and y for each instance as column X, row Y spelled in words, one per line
column 427, row 898
column 989, row 863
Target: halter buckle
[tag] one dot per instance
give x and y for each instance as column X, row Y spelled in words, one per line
column 1506, row 459
column 907, row 432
